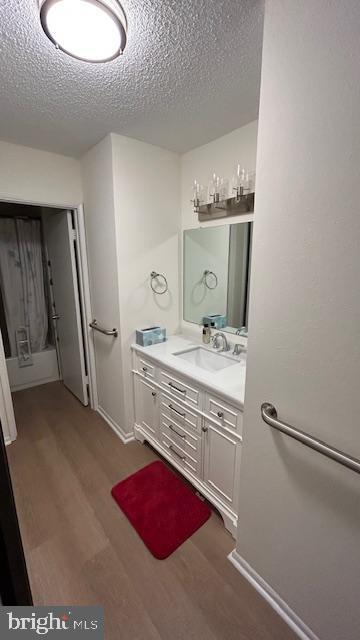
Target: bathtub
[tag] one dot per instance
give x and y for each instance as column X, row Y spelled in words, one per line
column 44, row 369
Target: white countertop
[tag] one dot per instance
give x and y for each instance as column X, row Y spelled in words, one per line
column 229, row 382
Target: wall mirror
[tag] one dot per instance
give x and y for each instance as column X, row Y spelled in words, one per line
column 217, row 265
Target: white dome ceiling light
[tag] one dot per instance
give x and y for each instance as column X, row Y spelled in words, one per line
column 89, row 30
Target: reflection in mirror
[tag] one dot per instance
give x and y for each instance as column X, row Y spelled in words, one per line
column 217, row 275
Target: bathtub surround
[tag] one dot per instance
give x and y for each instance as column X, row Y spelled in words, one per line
column 44, row 369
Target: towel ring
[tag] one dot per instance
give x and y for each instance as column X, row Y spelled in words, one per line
column 154, row 275
column 205, row 278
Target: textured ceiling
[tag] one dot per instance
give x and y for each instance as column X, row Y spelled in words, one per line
column 190, row 73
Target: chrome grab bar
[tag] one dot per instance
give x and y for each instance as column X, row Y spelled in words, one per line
column 106, row 332
column 270, row 416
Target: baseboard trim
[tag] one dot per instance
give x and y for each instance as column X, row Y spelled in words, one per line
column 124, row 437
column 274, row 600
column 34, row 383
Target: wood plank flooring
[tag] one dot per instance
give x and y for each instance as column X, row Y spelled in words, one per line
column 80, row 549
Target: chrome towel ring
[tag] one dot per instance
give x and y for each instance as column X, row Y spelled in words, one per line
column 156, row 276
column 208, row 273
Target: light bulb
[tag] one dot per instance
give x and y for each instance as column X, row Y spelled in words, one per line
column 91, row 30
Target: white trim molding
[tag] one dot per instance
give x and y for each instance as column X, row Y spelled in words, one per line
column 85, row 298
column 124, row 437
column 272, row 598
column 7, row 416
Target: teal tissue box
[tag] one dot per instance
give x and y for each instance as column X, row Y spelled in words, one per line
column 219, row 320
column 150, row 335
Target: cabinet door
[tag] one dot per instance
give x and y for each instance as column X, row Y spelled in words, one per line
column 146, row 407
column 221, row 464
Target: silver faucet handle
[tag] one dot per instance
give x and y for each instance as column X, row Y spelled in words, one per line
column 242, row 332
column 237, row 349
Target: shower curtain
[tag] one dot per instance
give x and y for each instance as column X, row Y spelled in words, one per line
column 22, row 281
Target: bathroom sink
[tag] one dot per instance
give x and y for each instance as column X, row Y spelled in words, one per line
column 205, row 359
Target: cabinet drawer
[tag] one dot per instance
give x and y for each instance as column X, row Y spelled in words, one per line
column 188, row 442
column 177, row 453
column 145, row 367
column 176, row 411
column 224, row 414
column 179, row 388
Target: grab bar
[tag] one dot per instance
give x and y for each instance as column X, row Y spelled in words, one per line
column 270, row 416
column 106, row 332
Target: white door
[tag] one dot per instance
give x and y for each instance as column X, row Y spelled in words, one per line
column 60, row 239
column 221, row 463
column 146, row 407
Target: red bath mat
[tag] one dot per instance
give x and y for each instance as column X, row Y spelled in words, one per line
column 162, row 509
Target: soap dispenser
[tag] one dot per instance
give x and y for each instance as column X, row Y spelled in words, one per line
column 206, row 333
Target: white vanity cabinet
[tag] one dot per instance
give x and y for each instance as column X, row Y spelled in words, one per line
column 197, row 431
column 147, row 415
column 221, row 463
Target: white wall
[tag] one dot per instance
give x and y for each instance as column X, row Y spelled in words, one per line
column 299, row 519
column 99, row 212
column 147, row 213
column 39, row 177
column 219, row 156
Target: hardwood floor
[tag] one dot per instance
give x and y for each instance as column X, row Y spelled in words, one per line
column 80, row 548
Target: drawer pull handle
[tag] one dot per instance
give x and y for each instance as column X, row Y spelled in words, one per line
column 181, row 435
column 176, row 453
column 153, row 393
column 144, row 369
column 176, row 411
column 204, row 429
column 220, row 414
column 173, row 386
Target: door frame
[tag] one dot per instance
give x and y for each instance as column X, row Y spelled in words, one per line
column 85, row 301
column 14, row 580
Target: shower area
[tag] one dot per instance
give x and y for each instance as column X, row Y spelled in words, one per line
column 27, row 329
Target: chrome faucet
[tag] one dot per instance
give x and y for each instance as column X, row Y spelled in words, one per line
column 226, row 346
column 238, row 349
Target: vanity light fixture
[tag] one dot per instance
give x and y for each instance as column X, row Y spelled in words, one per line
column 89, row 30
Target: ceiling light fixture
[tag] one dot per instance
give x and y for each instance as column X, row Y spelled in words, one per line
column 90, row 30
